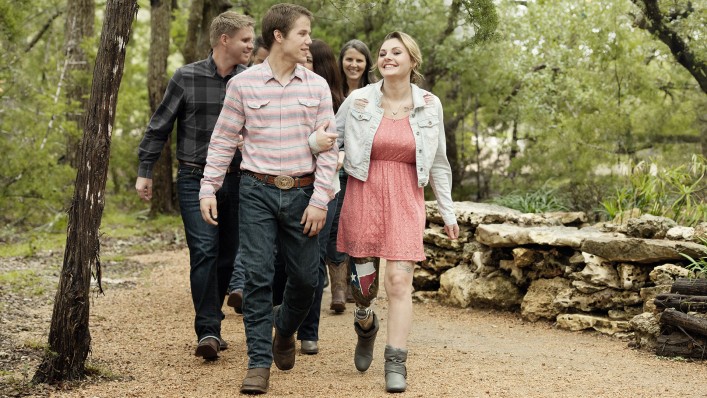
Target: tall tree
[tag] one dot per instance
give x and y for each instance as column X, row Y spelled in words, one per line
column 79, row 26
column 69, row 335
column 163, row 199
column 663, row 23
column 201, row 12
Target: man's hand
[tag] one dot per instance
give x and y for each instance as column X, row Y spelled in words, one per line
column 143, row 186
column 209, row 212
column 313, row 220
column 452, row 231
column 240, row 142
column 325, row 140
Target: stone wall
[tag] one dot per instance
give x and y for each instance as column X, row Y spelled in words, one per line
column 554, row 266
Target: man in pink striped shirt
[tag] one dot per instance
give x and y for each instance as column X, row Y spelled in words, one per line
column 284, row 189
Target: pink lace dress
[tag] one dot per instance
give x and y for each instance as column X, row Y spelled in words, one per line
column 385, row 216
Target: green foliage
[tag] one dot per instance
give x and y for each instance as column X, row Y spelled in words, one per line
column 539, row 201
column 698, row 266
column 678, row 192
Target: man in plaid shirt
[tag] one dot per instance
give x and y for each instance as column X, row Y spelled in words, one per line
column 193, row 99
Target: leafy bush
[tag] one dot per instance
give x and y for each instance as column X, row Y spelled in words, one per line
column 540, row 201
column 698, row 266
column 678, row 193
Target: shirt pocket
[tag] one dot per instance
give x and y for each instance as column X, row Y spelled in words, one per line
column 307, row 110
column 257, row 113
column 428, row 127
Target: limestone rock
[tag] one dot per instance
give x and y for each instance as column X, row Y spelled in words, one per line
column 642, row 251
column 455, row 286
column 648, row 294
column 423, row 279
column 586, row 287
column 424, row 297
column 632, row 276
column 496, row 291
column 681, row 233
column 646, row 330
column 440, row 260
column 603, row 300
column 598, row 271
column 435, row 235
column 472, row 214
column 649, row 227
column 576, row 322
column 537, row 303
column 667, row 273
column 626, row 314
column 507, row 235
column 524, row 257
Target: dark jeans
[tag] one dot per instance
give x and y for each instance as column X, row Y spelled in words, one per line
column 238, row 275
column 309, row 330
column 212, row 249
column 269, row 215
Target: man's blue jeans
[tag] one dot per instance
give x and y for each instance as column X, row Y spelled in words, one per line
column 212, row 250
column 269, row 214
column 238, row 275
column 309, row 330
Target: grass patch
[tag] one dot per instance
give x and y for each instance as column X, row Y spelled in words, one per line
column 96, row 370
column 36, row 345
column 25, row 281
column 29, row 244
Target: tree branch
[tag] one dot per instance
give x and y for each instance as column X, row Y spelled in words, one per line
column 42, row 31
column 656, row 25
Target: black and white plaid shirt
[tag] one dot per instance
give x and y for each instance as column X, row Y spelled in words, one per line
column 194, row 98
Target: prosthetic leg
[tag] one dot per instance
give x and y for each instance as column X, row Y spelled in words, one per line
column 364, row 287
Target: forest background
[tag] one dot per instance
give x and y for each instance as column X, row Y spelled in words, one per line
column 549, row 105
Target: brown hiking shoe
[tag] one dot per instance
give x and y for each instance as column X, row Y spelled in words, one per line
column 256, row 381
column 283, row 351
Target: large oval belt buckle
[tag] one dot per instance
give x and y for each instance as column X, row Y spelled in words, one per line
column 284, row 182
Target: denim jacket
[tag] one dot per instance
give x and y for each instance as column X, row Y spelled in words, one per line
column 358, row 119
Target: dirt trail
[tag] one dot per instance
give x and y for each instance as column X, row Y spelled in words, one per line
column 144, row 336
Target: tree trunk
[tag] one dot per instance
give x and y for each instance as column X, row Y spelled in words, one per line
column 79, row 26
column 678, row 344
column 163, row 198
column 682, row 302
column 69, row 335
column 689, row 286
column 197, row 45
column 687, row 322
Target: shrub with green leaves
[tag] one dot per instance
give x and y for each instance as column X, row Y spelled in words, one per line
column 678, row 192
column 540, row 201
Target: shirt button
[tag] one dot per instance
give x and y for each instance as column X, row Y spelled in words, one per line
column 420, row 168
column 429, row 123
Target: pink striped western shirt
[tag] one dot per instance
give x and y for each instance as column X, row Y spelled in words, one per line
column 278, row 121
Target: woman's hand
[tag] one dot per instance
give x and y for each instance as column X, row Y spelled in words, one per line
column 452, row 231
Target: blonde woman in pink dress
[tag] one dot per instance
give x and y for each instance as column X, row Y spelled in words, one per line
column 393, row 137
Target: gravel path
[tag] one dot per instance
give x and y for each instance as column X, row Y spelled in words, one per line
column 143, row 336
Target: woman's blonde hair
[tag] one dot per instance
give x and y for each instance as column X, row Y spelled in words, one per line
column 415, row 54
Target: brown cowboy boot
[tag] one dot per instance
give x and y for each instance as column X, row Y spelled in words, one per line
column 338, row 274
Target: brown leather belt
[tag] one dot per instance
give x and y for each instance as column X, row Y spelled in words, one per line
column 201, row 166
column 282, row 182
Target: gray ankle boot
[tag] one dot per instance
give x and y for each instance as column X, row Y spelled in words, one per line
column 395, row 372
column 363, row 355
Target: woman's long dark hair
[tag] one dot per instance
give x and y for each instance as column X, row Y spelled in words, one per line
column 324, row 64
column 367, row 77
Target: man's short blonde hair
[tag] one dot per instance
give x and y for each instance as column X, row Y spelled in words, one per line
column 228, row 23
